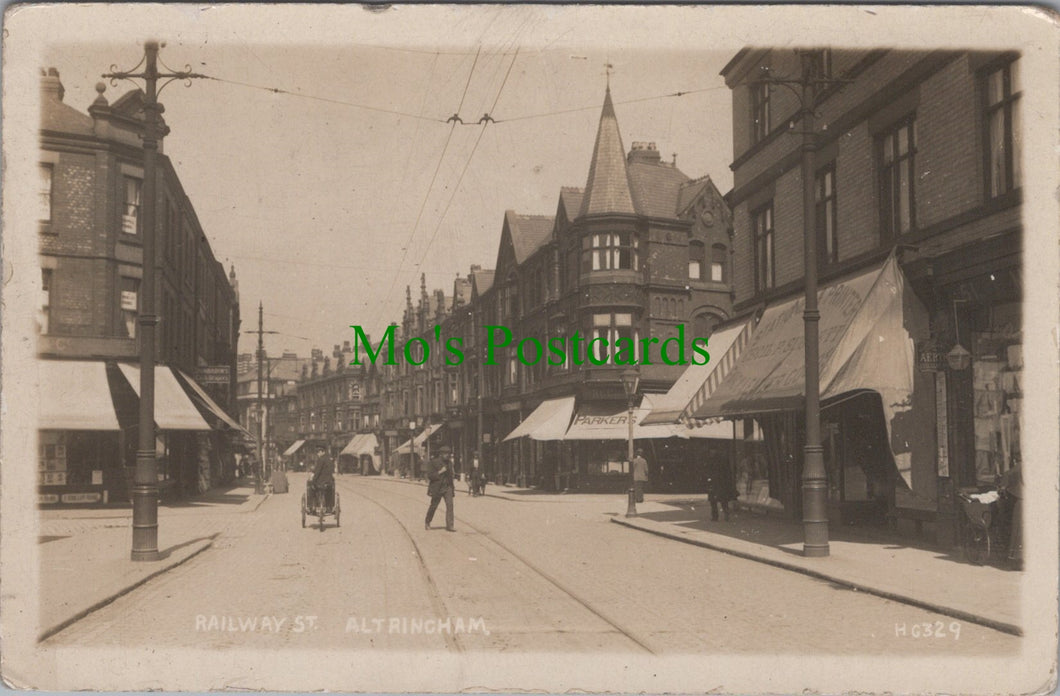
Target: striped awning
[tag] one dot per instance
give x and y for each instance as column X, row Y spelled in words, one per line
column 697, row 382
column 297, row 445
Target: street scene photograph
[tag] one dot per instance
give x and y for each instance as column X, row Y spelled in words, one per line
column 512, row 347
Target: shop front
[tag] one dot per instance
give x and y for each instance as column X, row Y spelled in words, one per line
column 413, row 454
column 878, row 425
column 977, row 327
column 361, row 456
column 88, row 433
column 79, row 439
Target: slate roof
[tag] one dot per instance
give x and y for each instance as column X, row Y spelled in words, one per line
column 529, row 233
column 482, row 280
column 607, row 189
column 690, row 191
column 61, row 117
column 656, row 188
column 572, row 200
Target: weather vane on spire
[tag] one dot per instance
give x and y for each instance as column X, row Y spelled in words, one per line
column 608, row 68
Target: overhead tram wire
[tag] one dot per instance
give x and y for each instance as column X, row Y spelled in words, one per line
column 328, row 100
column 455, row 118
column 426, row 197
column 485, row 120
column 593, row 107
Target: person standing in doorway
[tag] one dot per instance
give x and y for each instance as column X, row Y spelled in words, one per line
column 440, row 475
column 720, row 488
column 640, row 475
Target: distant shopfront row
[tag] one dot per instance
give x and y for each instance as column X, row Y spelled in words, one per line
column 88, row 433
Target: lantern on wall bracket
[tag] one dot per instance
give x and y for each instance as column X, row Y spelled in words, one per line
column 958, row 358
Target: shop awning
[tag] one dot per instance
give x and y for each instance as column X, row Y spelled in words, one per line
column 864, row 344
column 173, row 409
column 199, row 394
column 419, row 439
column 869, row 323
column 697, row 382
column 293, row 448
column 549, row 421
column 603, row 421
column 74, row 395
column 365, row 443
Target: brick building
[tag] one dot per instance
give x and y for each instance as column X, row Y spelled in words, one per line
column 91, row 252
column 640, row 252
column 917, row 182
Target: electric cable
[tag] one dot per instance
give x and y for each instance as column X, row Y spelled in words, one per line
column 430, row 189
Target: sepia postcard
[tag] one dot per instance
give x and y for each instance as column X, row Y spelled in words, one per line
column 509, row 348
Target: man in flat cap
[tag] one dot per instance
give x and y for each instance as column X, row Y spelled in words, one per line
column 440, row 475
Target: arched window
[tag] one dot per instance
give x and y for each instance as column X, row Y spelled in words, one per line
column 703, row 325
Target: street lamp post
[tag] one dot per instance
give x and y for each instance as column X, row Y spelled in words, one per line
column 259, row 483
column 814, row 476
column 412, row 449
column 630, row 382
column 145, row 479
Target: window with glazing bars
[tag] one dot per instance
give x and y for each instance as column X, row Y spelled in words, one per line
column 1001, row 93
column 764, row 246
column 897, row 157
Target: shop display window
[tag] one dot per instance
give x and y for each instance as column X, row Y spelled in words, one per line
column 51, row 458
column 997, row 376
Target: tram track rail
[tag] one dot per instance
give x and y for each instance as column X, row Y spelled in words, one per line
column 618, row 627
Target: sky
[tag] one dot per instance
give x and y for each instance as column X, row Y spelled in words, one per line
column 334, row 193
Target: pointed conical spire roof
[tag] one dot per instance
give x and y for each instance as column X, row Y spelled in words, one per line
column 607, row 189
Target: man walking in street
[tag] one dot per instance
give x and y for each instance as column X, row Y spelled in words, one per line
column 440, row 475
column 640, row 475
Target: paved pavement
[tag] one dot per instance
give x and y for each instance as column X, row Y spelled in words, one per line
column 84, row 552
column 861, row 558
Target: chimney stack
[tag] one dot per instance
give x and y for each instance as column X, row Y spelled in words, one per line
column 644, row 152
column 51, row 85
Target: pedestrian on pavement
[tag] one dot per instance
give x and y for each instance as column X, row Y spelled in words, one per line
column 720, row 488
column 476, row 480
column 640, row 475
column 1012, row 485
column 440, row 475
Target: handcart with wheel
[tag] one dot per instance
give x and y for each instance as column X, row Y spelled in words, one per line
column 320, row 502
